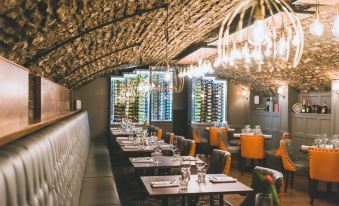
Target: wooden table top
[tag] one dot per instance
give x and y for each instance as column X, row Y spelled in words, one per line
column 165, row 162
column 194, row 188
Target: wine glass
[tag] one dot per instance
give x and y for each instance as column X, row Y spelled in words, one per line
column 263, row 199
column 157, row 149
column 200, row 161
column 174, row 148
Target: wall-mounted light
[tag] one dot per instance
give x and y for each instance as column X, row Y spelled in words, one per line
column 244, row 93
column 335, row 87
column 282, row 91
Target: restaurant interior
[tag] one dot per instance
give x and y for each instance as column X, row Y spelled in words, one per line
column 169, row 102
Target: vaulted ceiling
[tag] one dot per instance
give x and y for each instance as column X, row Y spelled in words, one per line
column 75, row 41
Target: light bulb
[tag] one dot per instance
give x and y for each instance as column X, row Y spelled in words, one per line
column 268, row 52
column 317, row 28
column 335, row 29
column 167, row 76
column 257, row 55
column 282, row 47
column 296, row 40
column 259, row 33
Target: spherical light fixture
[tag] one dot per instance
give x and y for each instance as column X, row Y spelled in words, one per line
column 317, row 28
column 335, row 29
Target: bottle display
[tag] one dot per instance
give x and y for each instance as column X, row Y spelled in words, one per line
column 117, row 106
column 324, row 108
column 208, row 100
column 161, row 99
column 303, row 109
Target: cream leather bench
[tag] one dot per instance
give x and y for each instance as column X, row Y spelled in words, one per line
column 48, row 166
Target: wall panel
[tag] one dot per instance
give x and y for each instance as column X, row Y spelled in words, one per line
column 13, row 96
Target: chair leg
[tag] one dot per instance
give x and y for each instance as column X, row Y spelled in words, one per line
column 292, row 179
column 329, row 187
column 314, row 190
column 286, row 181
column 239, row 162
column 265, row 162
column 242, row 166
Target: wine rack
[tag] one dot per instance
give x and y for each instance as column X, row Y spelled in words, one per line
column 208, row 100
column 161, row 99
column 133, row 105
column 117, row 106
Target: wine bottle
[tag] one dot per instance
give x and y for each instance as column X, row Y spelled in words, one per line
column 303, row 109
column 267, row 104
column 309, row 107
column 324, row 109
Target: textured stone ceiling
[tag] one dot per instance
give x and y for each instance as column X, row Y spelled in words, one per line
column 75, row 41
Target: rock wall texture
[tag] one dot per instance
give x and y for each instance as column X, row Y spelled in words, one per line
column 73, row 42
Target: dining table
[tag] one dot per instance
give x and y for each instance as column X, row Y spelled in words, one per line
column 165, row 162
column 266, row 136
column 194, row 187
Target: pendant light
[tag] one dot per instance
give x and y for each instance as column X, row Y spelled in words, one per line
column 317, row 28
column 335, row 29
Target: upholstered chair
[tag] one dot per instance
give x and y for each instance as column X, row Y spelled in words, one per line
column 291, row 163
column 324, row 167
column 188, row 148
column 220, row 162
column 262, row 187
column 251, row 147
column 179, row 140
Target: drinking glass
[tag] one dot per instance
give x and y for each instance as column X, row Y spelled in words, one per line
column 200, row 161
column 263, row 199
column 157, row 149
column 201, row 175
column 173, row 148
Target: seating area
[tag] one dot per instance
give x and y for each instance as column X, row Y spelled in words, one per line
column 169, row 102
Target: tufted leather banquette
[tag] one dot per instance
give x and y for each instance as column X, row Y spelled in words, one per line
column 46, row 167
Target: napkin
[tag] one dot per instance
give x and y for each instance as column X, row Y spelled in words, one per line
column 122, row 138
column 306, row 147
column 165, row 146
column 223, row 179
column 164, row 184
column 188, row 158
column 143, row 159
column 127, row 142
column 131, row 147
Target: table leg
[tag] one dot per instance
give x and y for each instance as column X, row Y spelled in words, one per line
column 183, row 201
column 164, row 201
column 211, row 200
column 221, row 200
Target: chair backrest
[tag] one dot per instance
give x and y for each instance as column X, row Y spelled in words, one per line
column 252, row 146
column 195, row 135
column 219, row 161
column 214, row 135
column 222, row 140
column 285, row 147
column 285, row 135
column 259, row 186
column 179, row 140
column 187, row 147
column 318, row 171
column 169, row 137
column 159, row 133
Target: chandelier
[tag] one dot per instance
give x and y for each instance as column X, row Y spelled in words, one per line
column 266, row 32
column 201, row 69
column 168, row 68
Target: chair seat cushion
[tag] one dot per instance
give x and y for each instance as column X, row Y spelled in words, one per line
column 302, row 166
column 234, row 142
column 233, row 149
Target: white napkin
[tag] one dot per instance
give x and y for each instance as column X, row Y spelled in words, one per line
column 304, row 147
column 131, row 147
column 188, row 158
column 223, row 179
column 143, row 159
column 165, row 146
column 122, row 138
column 164, row 184
column 127, row 142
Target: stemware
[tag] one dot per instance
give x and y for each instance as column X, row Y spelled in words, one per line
column 157, row 149
column 263, row 199
column 200, row 161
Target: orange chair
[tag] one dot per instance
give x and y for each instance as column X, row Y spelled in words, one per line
column 159, row 133
column 291, row 164
column 169, row 137
column 277, row 152
column 251, row 147
column 195, row 136
column 214, row 135
column 320, row 172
